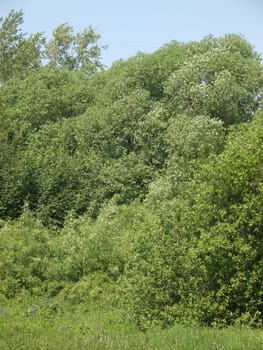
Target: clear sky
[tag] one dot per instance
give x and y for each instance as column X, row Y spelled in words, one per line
column 130, row 26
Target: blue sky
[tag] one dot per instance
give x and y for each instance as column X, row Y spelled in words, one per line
column 144, row 25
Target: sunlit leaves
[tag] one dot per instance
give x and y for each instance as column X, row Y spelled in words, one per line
column 194, row 255
column 222, row 82
column 74, row 51
column 19, row 55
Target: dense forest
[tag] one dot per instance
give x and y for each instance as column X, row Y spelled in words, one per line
column 137, row 186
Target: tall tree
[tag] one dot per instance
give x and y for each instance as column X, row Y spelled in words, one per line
column 18, row 54
column 74, row 51
column 223, row 82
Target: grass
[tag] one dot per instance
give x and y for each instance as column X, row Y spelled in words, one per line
column 48, row 326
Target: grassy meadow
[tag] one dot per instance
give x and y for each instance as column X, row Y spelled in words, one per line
column 46, row 325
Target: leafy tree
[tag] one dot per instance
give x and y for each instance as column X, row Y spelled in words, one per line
column 228, row 224
column 190, row 142
column 25, row 256
column 21, row 54
column 74, row 52
column 18, row 54
column 42, row 97
column 222, row 82
column 198, row 257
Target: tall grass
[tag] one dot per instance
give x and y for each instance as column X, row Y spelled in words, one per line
column 47, row 326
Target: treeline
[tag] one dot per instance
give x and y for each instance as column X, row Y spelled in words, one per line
column 139, row 185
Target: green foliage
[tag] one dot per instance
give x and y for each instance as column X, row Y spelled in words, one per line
column 198, row 257
column 232, row 209
column 24, row 256
column 19, row 55
column 191, row 141
column 43, row 97
column 222, row 82
column 128, row 187
column 74, row 52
